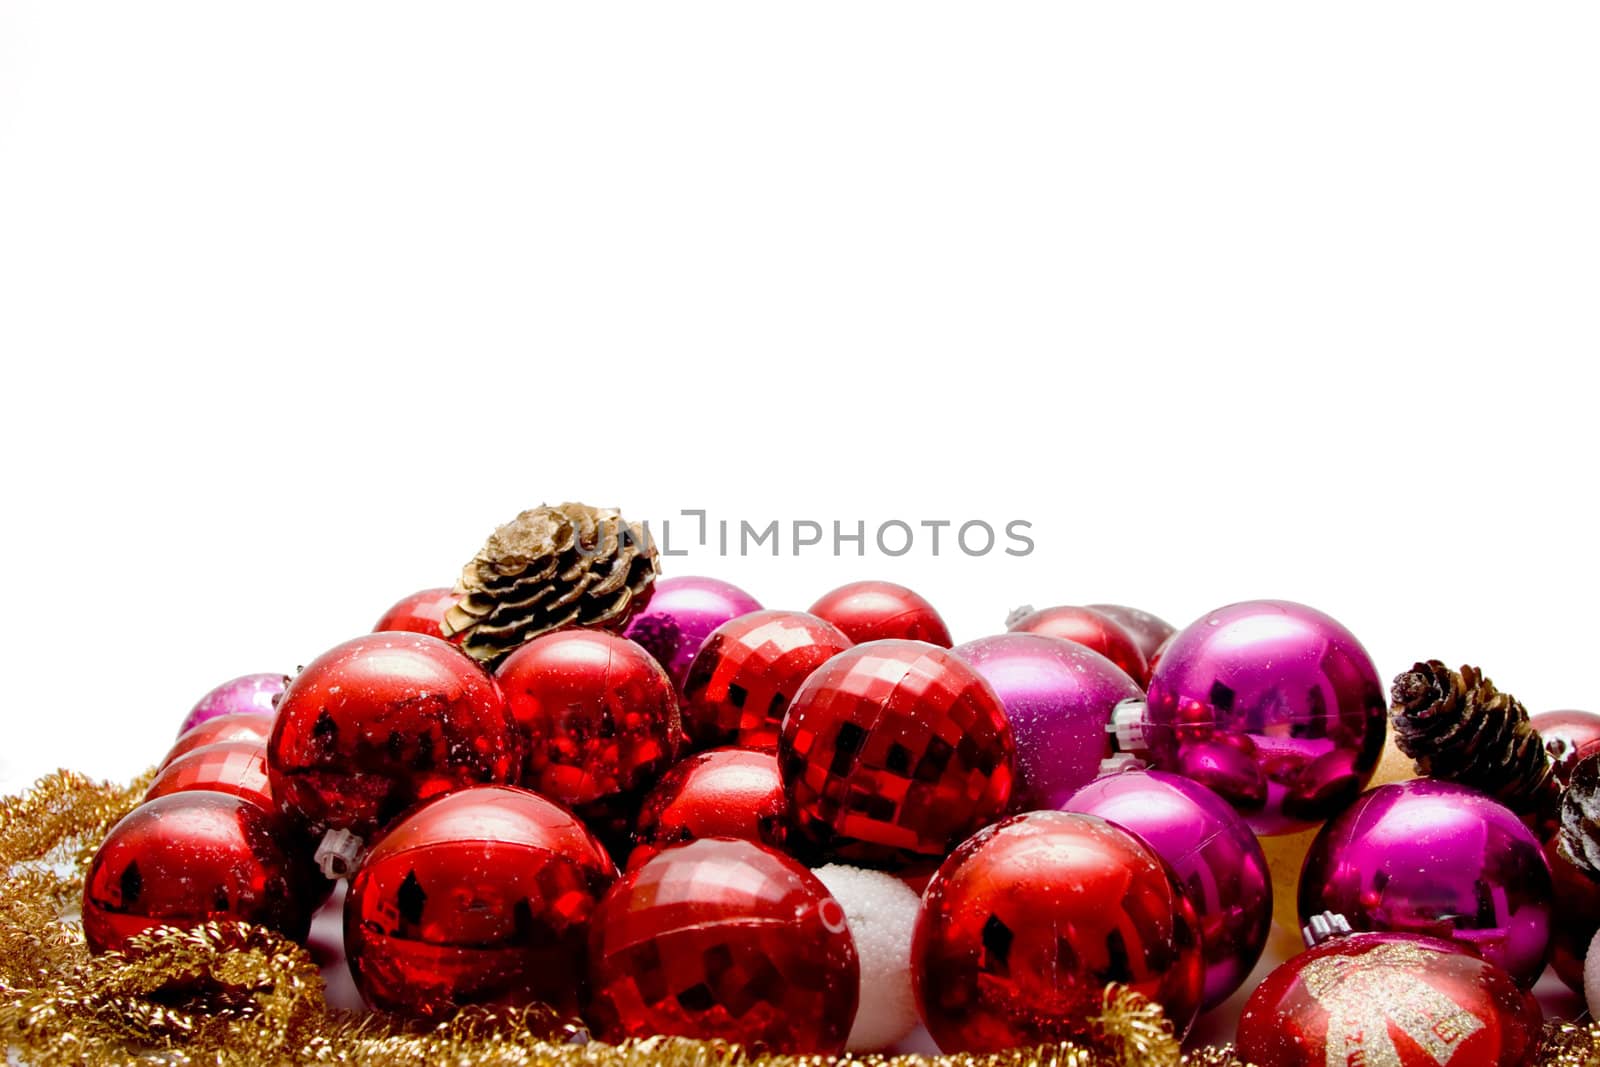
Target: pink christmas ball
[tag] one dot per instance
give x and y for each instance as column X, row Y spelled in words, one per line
column 247, row 693
column 680, row 616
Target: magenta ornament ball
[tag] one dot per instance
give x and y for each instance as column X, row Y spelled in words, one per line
column 1058, row 696
column 681, row 614
column 1272, row 705
column 247, row 693
column 1212, row 852
column 1434, row 858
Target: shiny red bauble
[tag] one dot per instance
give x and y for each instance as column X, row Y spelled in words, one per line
column 1092, row 629
column 892, row 753
column 1026, row 923
column 874, row 611
column 1574, row 914
column 726, row 792
column 1569, row 736
column 237, row 767
column 420, row 613
column 1149, row 632
column 481, row 896
column 378, row 723
column 723, row 939
column 741, row 681
column 1388, row 999
column 597, row 713
column 249, row 726
column 195, row 857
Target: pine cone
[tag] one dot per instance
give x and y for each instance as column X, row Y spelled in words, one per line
column 1580, row 816
column 1460, row 728
column 551, row 568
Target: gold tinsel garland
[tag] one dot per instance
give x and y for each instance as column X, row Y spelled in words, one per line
column 233, row 994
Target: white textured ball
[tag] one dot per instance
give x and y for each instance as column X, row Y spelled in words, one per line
column 881, row 911
column 1591, row 977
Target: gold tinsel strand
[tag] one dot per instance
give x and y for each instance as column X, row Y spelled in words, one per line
column 234, row 995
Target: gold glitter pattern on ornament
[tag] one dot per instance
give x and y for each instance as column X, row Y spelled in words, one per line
column 547, row 569
column 1364, row 995
column 234, row 995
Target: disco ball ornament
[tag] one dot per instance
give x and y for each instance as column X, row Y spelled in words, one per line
column 876, row 611
column 723, row 940
column 482, row 896
column 742, row 679
column 247, row 726
column 1389, row 1000
column 726, row 792
column 1026, row 923
column 1272, row 705
column 195, row 857
column 237, row 767
column 247, row 693
column 1058, row 697
column 1212, row 852
column 892, row 753
column 681, row 614
column 1436, row 859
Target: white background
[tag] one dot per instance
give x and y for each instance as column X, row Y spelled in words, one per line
column 298, row 301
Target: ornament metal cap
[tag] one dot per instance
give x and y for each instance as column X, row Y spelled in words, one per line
column 1018, row 614
column 339, row 854
column 1121, row 761
column 1325, row 927
column 1127, row 724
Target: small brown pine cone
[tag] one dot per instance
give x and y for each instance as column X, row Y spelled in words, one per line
column 1458, row 727
column 548, row 569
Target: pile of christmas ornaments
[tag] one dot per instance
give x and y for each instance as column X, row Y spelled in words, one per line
column 657, row 806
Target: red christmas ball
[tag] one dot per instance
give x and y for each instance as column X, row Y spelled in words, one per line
column 237, row 726
column 726, row 792
column 1028, row 920
column 892, row 753
column 597, row 713
column 1568, row 737
column 1089, row 628
column 481, row 896
column 237, row 767
column 741, row 681
column 723, row 939
column 874, row 611
column 195, row 857
column 1391, row 999
column 1148, row 631
column 420, row 613
column 374, row 725
column 1574, row 915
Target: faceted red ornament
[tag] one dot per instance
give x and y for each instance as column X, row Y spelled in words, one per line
column 892, row 753
column 1388, row 1000
column 481, row 896
column 1028, row 920
column 740, row 683
column 237, row 767
column 1092, row 629
column 726, row 792
column 420, row 613
column 723, row 939
column 238, row 726
column 873, row 611
column 597, row 713
column 191, row 858
column 378, row 723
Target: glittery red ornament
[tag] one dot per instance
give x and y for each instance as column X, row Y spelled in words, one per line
column 598, row 715
column 1092, row 629
column 374, row 725
column 237, row 767
column 481, row 896
column 892, row 753
column 191, row 858
column 420, row 613
column 741, row 681
column 1388, row 1000
column 237, row 726
column 1028, row 920
column 726, row 792
column 873, row 611
column 723, row 939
